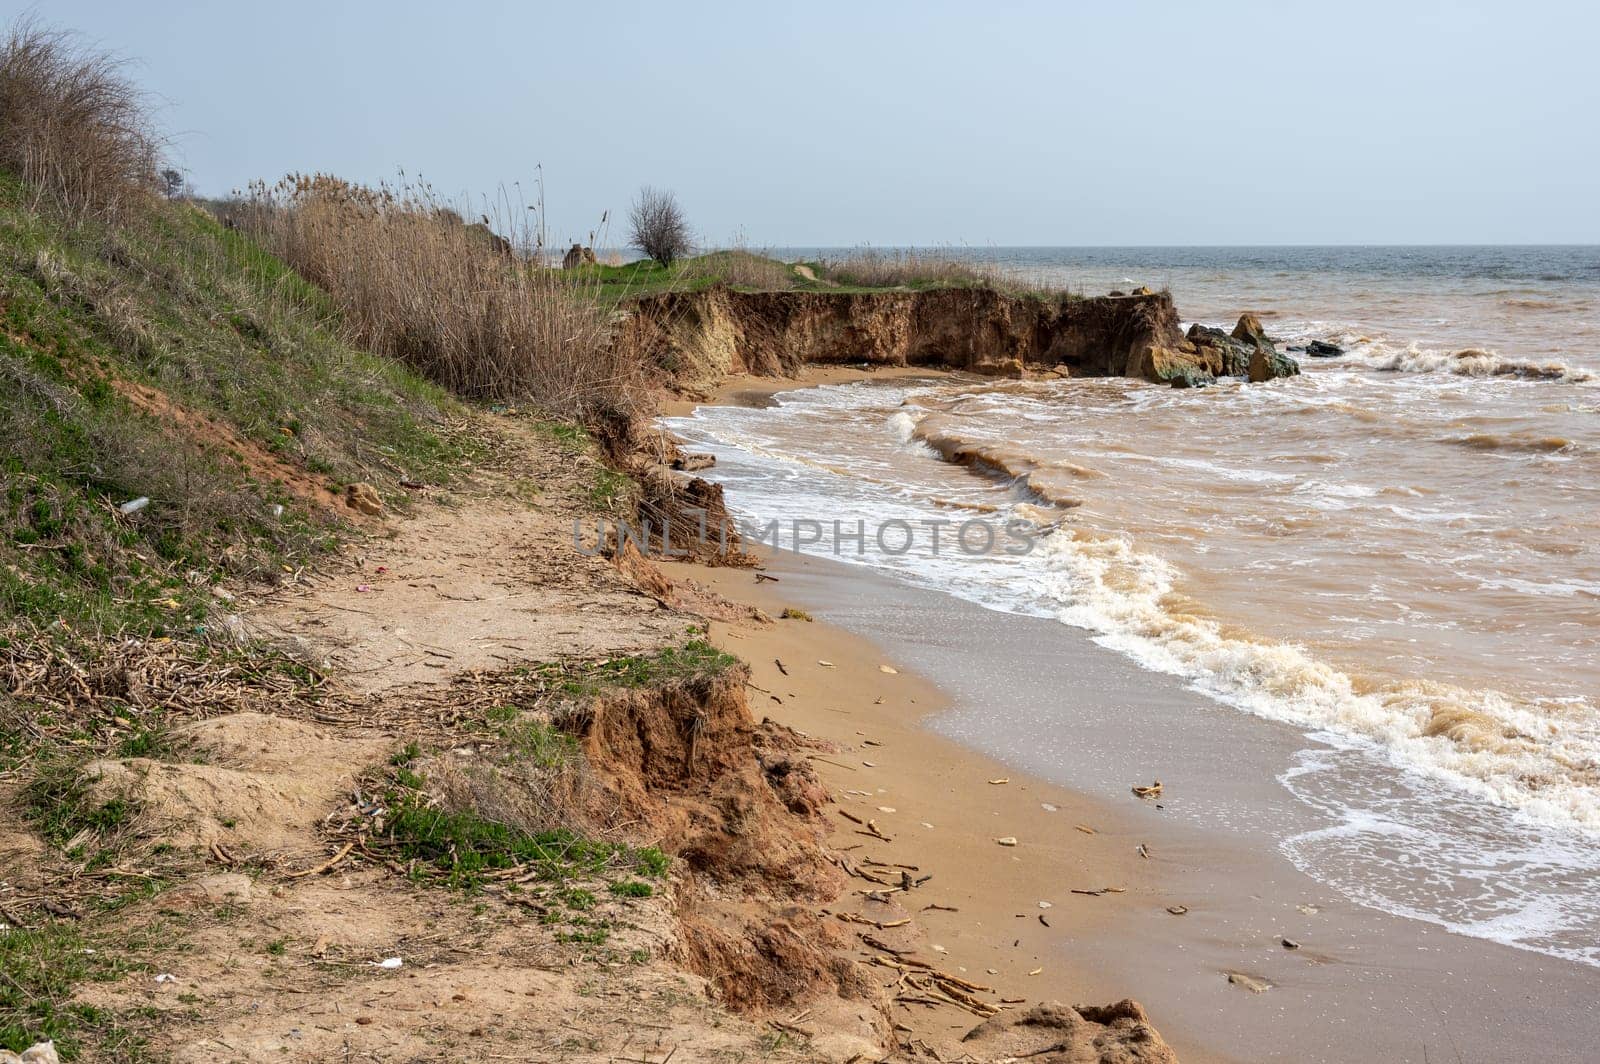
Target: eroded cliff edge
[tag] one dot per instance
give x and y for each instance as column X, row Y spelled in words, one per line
column 697, row 338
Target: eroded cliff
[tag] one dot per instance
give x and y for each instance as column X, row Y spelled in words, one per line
column 699, row 337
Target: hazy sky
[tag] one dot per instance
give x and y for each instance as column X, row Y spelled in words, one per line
column 988, row 123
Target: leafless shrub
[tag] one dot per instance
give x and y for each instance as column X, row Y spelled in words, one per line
column 415, row 283
column 72, row 125
column 657, row 226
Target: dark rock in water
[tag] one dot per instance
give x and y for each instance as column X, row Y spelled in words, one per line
column 1266, row 364
column 1295, row 348
column 1192, row 378
column 1223, row 355
column 1249, row 330
column 1319, row 349
column 1114, row 292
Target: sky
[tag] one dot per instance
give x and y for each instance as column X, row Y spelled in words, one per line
column 825, row 124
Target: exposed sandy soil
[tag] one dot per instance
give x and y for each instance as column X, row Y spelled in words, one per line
column 473, row 586
column 766, row 945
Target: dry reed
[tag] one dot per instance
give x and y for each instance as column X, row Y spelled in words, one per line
column 72, row 126
column 474, row 310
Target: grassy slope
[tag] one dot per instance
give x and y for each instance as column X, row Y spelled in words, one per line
column 170, row 358
column 176, row 307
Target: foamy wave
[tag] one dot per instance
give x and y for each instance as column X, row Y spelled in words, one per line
column 1536, row 758
column 1472, row 362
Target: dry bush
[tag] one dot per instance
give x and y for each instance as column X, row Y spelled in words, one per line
column 657, row 226
column 414, row 282
column 72, row 125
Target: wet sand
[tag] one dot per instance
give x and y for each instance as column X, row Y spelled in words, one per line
column 1073, row 726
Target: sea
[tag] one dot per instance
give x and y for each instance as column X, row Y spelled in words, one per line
column 1396, row 552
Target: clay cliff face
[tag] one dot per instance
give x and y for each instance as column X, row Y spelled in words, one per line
column 697, row 337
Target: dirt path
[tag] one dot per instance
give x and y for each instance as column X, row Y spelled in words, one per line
column 284, row 950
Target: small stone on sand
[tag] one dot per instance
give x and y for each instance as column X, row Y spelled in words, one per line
column 1249, row 982
column 1009, row 840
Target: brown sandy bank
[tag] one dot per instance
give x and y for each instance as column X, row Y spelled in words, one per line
column 1019, row 867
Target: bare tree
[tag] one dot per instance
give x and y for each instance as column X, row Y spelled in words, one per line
column 172, row 183
column 657, row 225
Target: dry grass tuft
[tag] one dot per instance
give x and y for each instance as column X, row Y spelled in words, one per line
column 72, row 125
column 868, row 268
column 741, row 268
column 453, row 300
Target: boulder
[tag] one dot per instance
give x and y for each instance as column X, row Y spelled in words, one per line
column 1320, row 349
column 1225, row 356
column 1267, row 364
column 1167, row 364
column 1249, row 330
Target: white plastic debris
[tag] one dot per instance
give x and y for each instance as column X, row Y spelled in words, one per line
column 391, row 963
column 276, row 509
column 166, row 977
column 133, row 506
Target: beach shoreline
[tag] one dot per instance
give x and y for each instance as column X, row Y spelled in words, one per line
column 1358, row 984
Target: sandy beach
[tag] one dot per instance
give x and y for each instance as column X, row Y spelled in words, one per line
column 1183, row 902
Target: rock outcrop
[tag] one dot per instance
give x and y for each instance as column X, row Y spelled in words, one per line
column 1224, row 355
column 699, row 337
column 1265, row 362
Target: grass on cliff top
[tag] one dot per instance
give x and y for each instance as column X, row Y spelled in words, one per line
column 695, row 659
column 167, row 357
column 860, row 272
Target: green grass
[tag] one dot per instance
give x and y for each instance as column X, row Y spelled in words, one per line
column 740, row 269
column 632, row 888
column 59, row 804
column 695, row 658
column 463, row 846
column 41, row 966
column 532, row 741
